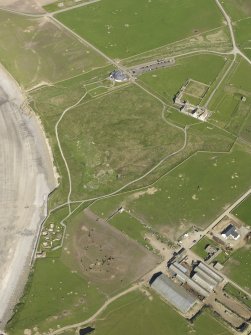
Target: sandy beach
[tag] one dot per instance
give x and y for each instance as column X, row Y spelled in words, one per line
column 26, row 179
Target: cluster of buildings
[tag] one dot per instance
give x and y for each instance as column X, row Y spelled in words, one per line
column 188, row 285
column 186, row 107
column 185, row 286
column 120, row 76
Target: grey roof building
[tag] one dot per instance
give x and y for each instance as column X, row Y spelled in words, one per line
column 118, row 76
column 208, row 272
column 230, row 231
column 203, row 282
column 173, row 293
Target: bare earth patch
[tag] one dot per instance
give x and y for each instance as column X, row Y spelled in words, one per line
column 105, row 256
column 26, row 6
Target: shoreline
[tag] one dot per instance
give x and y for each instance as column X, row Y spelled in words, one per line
column 28, row 177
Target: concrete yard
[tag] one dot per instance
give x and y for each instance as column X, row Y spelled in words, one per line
column 26, row 179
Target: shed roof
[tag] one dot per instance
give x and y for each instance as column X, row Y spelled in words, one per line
column 173, row 293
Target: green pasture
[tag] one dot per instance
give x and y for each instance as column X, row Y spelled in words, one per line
column 243, row 211
column 131, row 227
column 167, row 82
column 237, row 267
column 111, row 140
column 106, row 143
column 54, row 296
column 243, row 35
column 122, row 29
column 229, row 109
column 194, row 193
column 217, row 39
column 35, row 50
column 137, row 313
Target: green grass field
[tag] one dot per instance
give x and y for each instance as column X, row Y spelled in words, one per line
column 238, row 267
column 204, row 185
column 36, row 50
column 124, row 29
column 55, row 295
column 137, row 313
column 243, row 35
column 217, row 39
column 243, row 211
column 167, row 82
column 106, row 143
column 131, row 227
column 230, row 111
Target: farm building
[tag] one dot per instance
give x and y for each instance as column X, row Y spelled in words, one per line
column 207, row 272
column 173, row 293
column 230, row 232
column 118, row 76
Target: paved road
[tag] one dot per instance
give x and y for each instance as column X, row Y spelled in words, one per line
column 236, row 50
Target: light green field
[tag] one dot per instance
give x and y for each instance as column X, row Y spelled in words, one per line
column 131, row 227
column 229, row 109
column 54, row 296
column 217, row 39
column 122, row 29
column 194, row 193
column 243, row 211
column 237, row 9
column 243, row 35
column 167, row 82
column 109, row 141
column 136, row 314
column 35, row 51
column 238, row 267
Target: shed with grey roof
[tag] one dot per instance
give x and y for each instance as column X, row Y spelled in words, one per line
column 204, row 282
column 173, row 293
column 118, row 76
column 209, row 272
